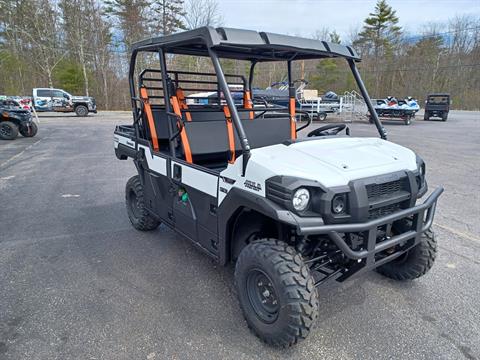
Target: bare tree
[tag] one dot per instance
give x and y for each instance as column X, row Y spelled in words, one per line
column 202, row 13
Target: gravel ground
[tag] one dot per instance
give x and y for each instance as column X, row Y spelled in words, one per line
column 78, row 282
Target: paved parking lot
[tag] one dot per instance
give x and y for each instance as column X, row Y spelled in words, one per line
column 78, row 282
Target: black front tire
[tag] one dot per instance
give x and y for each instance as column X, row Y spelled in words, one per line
column 81, row 110
column 276, row 292
column 136, row 209
column 408, row 120
column 8, row 130
column 29, row 131
column 444, row 117
column 426, row 117
column 414, row 263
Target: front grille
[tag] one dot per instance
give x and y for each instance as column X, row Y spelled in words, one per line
column 392, row 193
column 379, row 190
column 383, row 211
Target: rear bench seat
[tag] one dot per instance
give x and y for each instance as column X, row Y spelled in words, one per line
column 209, row 139
column 208, row 136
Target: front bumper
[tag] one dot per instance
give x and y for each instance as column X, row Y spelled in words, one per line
column 92, row 107
column 422, row 219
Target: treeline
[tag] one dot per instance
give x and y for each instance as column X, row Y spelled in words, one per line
column 83, row 46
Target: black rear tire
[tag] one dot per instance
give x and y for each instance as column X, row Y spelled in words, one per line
column 414, row 263
column 321, row 116
column 276, row 292
column 136, row 209
column 81, row 110
column 8, row 130
column 29, row 131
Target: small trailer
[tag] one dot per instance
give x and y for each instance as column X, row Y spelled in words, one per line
column 394, row 110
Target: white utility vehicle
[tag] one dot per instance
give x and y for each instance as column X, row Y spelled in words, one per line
column 290, row 213
column 58, row 100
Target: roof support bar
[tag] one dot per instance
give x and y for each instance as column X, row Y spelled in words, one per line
column 366, row 97
column 251, row 76
column 166, row 96
column 291, row 101
column 133, row 98
column 233, row 110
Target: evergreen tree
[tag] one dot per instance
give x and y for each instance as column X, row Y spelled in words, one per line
column 133, row 18
column 379, row 37
column 334, row 37
column 170, row 16
column 328, row 71
column 380, row 32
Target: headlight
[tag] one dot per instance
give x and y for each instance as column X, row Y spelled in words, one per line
column 422, row 170
column 301, row 199
column 339, row 204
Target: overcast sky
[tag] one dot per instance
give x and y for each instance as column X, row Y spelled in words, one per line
column 303, row 17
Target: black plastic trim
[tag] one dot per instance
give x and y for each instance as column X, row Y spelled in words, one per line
column 235, row 201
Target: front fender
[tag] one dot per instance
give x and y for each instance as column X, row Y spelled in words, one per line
column 238, row 200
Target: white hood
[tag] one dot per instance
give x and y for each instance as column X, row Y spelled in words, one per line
column 352, row 154
column 330, row 161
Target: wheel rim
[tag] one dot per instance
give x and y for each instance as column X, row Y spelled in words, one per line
column 5, row 131
column 133, row 201
column 262, row 296
column 82, row 111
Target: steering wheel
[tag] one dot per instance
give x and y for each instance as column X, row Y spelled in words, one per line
column 331, row 129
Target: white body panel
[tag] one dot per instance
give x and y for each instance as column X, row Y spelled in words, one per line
column 155, row 163
column 198, row 179
column 331, row 161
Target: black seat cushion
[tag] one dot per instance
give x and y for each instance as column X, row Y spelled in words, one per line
column 265, row 131
column 208, row 141
column 160, row 119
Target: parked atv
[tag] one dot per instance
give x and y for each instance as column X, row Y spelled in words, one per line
column 290, row 213
column 14, row 120
column 437, row 105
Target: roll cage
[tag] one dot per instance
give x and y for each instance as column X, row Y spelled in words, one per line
column 248, row 45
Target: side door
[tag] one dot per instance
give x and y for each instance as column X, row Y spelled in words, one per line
column 60, row 101
column 194, row 208
column 43, row 100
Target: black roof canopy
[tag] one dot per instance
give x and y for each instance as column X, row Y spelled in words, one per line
column 245, row 45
